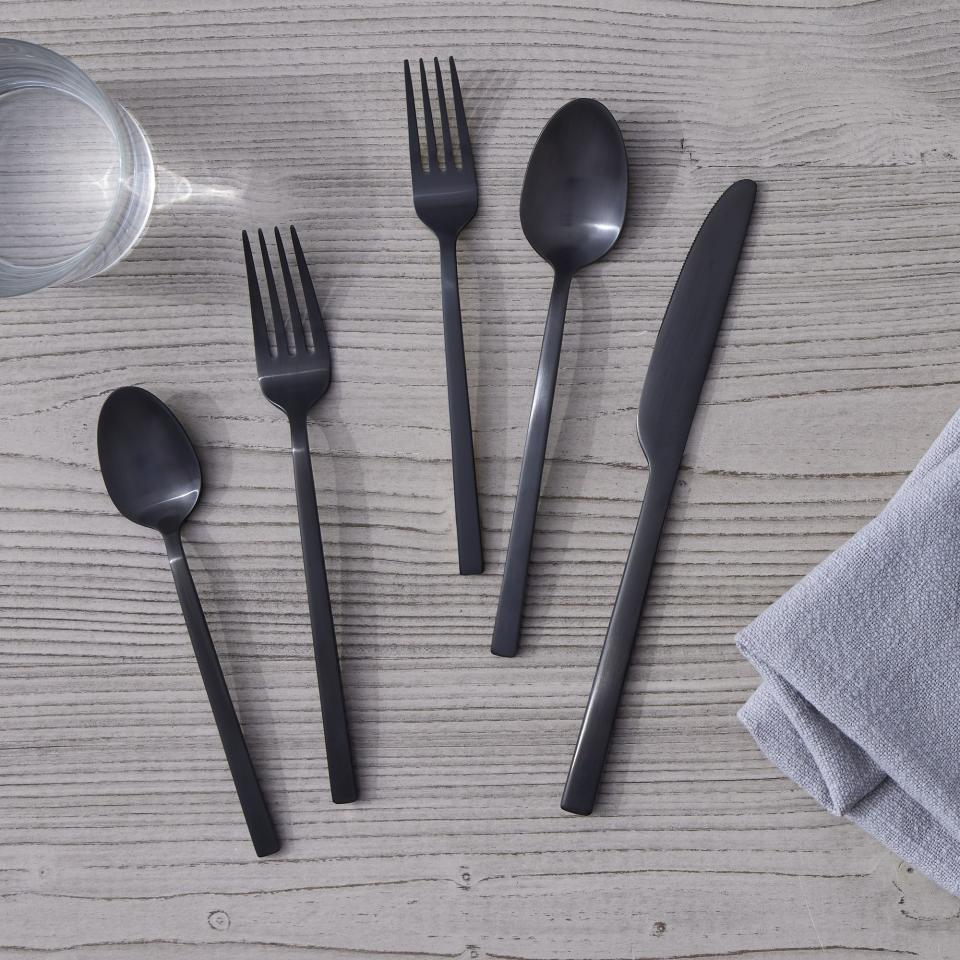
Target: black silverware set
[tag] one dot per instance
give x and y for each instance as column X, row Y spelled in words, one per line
column 572, row 211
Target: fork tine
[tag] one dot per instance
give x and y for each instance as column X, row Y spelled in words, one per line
column 416, row 164
column 295, row 321
column 428, row 119
column 283, row 345
column 444, row 119
column 261, row 343
column 314, row 315
column 463, row 134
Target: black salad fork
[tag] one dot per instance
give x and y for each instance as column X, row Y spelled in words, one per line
column 294, row 379
column 445, row 199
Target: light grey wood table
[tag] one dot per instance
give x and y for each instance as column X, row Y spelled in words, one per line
column 120, row 835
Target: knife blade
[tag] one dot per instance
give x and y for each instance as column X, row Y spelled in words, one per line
column 668, row 402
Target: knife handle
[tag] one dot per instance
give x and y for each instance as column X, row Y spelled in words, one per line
column 583, row 780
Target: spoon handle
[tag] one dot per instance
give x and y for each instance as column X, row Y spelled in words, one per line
column 465, row 502
column 262, row 831
column 333, row 709
column 506, row 629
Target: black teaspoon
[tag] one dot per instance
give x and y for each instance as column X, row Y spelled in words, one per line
column 152, row 474
column 572, row 210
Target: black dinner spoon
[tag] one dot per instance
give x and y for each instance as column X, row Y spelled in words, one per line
column 152, row 474
column 572, row 209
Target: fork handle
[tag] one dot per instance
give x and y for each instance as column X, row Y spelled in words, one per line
column 255, row 812
column 466, row 504
column 343, row 788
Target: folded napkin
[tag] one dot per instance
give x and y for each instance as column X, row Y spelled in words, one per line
column 860, row 664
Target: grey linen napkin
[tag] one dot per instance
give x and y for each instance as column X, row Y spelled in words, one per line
column 860, row 664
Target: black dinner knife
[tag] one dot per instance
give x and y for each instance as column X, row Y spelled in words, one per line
column 668, row 402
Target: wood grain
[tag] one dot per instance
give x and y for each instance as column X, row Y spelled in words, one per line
column 120, row 835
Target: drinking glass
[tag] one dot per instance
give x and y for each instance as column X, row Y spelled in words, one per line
column 76, row 172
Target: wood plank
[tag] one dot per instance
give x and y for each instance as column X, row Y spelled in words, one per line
column 838, row 364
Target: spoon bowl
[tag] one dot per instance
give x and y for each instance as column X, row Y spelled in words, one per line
column 574, row 198
column 149, row 465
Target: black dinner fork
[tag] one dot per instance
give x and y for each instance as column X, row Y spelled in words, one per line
column 294, row 379
column 445, row 199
